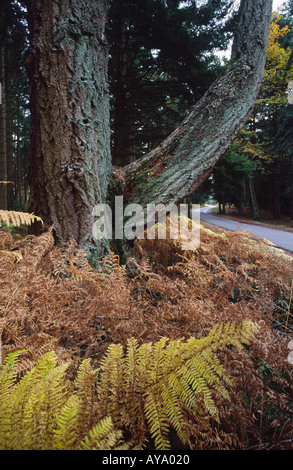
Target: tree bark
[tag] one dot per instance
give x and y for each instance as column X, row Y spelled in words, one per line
column 70, row 161
column 187, row 157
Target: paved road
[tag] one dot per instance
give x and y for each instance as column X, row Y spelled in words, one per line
column 281, row 239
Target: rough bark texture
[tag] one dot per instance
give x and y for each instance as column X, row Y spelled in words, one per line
column 70, row 162
column 186, row 158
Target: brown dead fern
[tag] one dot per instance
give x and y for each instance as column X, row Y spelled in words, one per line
column 52, row 299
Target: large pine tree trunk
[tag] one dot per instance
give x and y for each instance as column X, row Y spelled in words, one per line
column 70, row 162
column 187, row 157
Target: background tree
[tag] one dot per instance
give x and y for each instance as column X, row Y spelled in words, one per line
column 15, row 96
column 162, row 59
column 284, row 146
column 260, row 141
column 3, row 107
column 231, row 182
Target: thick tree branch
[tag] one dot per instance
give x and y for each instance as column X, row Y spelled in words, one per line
column 186, row 158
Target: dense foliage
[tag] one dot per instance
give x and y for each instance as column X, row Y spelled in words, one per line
column 14, row 116
column 162, row 60
column 51, row 299
column 164, row 348
column 263, row 148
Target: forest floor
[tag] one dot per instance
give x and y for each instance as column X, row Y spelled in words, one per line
column 52, row 299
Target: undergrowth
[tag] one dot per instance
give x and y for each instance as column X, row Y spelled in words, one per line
column 53, row 300
column 146, row 391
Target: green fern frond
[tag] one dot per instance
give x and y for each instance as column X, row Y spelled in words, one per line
column 18, row 218
column 8, row 374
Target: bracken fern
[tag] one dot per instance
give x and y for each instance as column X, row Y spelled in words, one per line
column 146, row 390
column 43, row 411
column 52, row 299
column 18, row 218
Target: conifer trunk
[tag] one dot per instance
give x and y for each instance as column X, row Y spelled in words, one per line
column 70, row 162
column 253, row 201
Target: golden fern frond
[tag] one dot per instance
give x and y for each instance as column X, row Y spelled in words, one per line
column 30, row 408
column 112, row 391
column 152, row 384
column 172, row 405
column 74, row 420
column 145, row 390
column 85, row 391
column 12, row 413
column 157, row 420
column 103, row 436
column 86, row 379
column 8, row 373
column 18, row 218
column 43, row 410
column 65, row 433
column 237, row 334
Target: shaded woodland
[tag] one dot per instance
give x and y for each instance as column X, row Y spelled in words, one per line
column 144, row 345
column 154, row 80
